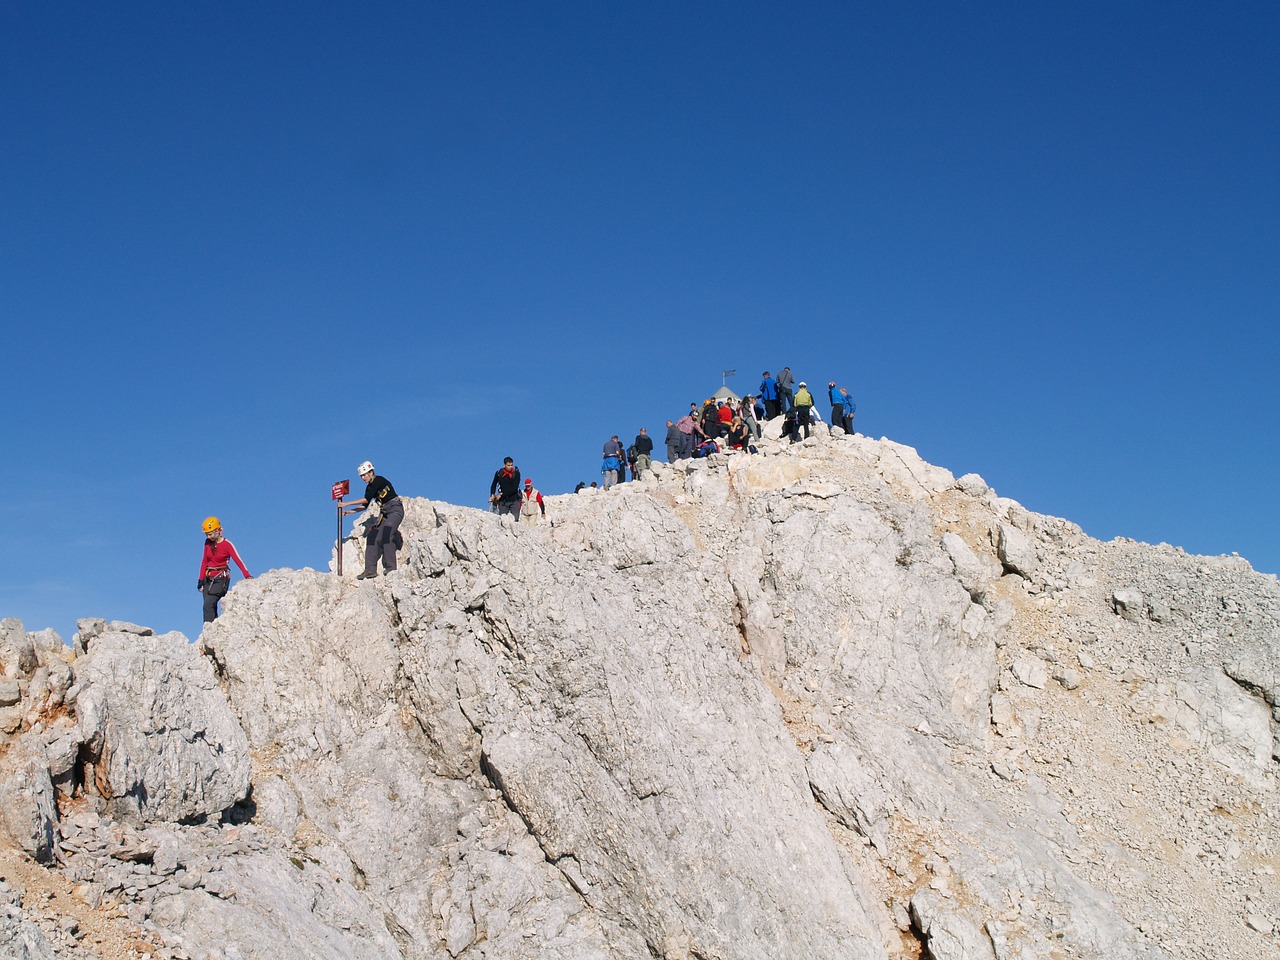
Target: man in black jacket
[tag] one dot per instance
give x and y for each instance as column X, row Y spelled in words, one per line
column 505, row 489
column 643, row 446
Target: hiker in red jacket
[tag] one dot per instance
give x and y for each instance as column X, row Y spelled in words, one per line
column 215, row 567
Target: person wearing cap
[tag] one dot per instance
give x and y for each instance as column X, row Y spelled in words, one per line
column 643, row 446
column 215, row 567
column 504, row 491
column 382, row 536
column 836, row 396
column 531, row 505
column 724, row 411
column 803, row 406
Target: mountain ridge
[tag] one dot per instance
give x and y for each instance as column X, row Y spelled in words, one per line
column 824, row 701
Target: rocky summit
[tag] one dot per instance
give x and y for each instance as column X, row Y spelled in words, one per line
column 827, row 702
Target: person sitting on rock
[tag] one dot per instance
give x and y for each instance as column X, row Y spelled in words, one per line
column 724, row 412
column 215, row 567
column 531, row 505
column 504, row 491
column 740, row 436
column 382, row 536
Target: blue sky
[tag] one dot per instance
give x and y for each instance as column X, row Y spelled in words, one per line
column 245, row 246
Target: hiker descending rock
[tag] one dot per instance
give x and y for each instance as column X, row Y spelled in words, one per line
column 504, row 491
column 215, row 567
column 531, row 506
column 382, row 537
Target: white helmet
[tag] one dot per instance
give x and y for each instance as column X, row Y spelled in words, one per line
column 364, row 468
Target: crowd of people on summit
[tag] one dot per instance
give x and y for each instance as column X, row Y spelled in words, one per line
column 718, row 425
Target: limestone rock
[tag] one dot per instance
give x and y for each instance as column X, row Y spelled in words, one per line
column 1016, row 551
column 169, row 746
column 758, row 706
column 28, row 809
column 1129, row 603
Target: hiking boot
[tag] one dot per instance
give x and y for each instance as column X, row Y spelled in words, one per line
column 367, row 575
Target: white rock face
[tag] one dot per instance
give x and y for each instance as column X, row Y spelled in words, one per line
column 175, row 750
column 792, row 705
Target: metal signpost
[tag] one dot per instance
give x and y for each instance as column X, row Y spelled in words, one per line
column 340, row 490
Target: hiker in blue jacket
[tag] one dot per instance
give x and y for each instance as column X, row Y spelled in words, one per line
column 837, row 396
column 850, row 408
column 769, row 394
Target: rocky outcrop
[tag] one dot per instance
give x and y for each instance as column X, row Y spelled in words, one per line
column 828, row 701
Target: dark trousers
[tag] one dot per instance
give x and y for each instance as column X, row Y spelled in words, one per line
column 837, row 416
column 381, row 539
column 772, row 409
column 214, row 590
column 509, row 507
column 784, row 399
column 802, row 420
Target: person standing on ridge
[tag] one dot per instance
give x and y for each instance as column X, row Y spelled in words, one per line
column 382, row 536
column 612, row 461
column 850, row 408
column 803, row 407
column 215, row 567
column 747, row 411
column 769, row 394
column 531, row 505
column 674, row 442
column 785, row 380
column 837, row 396
column 505, row 489
column 643, row 446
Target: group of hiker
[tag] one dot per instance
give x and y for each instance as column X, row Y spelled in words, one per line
column 506, row 496
column 638, row 457
column 735, row 423
column 726, row 423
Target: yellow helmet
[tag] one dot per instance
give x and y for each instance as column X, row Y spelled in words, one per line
column 210, row 524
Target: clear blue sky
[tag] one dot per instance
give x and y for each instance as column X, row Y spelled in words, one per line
column 245, row 246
